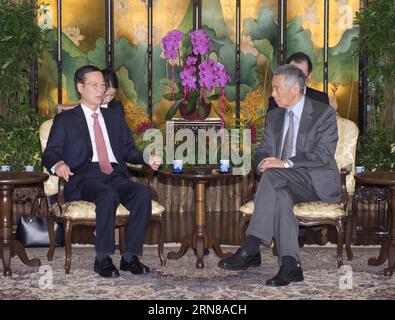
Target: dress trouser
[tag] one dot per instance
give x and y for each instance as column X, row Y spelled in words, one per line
column 107, row 192
column 279, row 189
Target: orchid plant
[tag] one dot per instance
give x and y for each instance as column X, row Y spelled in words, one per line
column 199, row 75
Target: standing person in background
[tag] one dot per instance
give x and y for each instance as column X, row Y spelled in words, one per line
column 109, row 100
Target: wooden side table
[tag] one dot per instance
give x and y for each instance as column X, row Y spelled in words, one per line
column 200, row 239
column 387, row 250
column 8, row 245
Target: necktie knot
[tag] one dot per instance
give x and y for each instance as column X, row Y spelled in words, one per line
column 95, row 115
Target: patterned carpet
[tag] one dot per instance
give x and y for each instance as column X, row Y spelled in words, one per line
column 181, row 280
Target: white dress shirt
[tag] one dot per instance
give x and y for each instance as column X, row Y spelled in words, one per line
column 89, row 119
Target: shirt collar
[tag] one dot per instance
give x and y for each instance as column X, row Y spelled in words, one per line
column 298, row 108
column 88, row 112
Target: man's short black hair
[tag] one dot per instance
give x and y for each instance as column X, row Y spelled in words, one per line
column 110, row 78
column 301, row 57
column 79, row 75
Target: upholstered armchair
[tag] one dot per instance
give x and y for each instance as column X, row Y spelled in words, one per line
column 318, row 212
column 83, row 212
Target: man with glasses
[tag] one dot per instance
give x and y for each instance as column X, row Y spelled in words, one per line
column 88, row 147
column 303, row 62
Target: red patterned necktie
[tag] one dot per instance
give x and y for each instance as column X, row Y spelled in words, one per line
column 104, row 161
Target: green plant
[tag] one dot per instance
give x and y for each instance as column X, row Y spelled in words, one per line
column 376, row 149
column 19, row 140
column 377, row 39
column 21, row 43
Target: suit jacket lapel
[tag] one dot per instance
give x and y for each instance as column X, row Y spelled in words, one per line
column 304, row 125
column 107, row 116
column 80, row 121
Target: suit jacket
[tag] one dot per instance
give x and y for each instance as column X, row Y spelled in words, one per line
column 69, row 141
column 116, row 105
column 310, row 92
column 315, row 146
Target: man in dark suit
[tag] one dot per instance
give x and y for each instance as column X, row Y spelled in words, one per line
column 88, row 147
column 297, row 164
column 109, row 101
column 303, row 62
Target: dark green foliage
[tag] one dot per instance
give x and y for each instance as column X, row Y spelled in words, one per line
column 376, row 149
column 21, row 42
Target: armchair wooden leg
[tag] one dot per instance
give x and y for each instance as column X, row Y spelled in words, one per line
column 51, row 235
column 67, row 227
column 161, row 242
column 340, row 242
column 275, row 253
column 122, row 239
column 51, row 229
column 348, row 238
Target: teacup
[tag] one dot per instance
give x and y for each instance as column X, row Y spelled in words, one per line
column 224, row 166
column 5, row 168
column 359, row 169
column 177, row 166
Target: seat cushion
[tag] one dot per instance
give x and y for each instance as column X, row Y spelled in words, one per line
column 313, row 210
column 86, row 210
column 318, row 210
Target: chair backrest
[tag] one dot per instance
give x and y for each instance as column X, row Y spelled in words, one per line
column 51, row 185
column 346, row 149
column 63, row 107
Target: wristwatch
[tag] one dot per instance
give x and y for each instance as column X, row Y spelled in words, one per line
column 286, row 164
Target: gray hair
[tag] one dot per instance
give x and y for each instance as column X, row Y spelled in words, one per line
column 292, row 75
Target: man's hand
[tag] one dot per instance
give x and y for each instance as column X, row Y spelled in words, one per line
column 62, row 170
column 154, row 162
column 270, row 162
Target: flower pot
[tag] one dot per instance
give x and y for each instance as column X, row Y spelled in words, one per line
column 194, row 115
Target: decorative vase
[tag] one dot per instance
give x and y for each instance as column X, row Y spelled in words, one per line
column 195, row 115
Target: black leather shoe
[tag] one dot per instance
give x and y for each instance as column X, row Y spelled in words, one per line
column 105, row 268
column 241, row 260
column 286, row 275
column 134, row 266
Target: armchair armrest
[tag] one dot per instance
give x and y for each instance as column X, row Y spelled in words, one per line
column 147, row 171
column 61, row 203
column 344, row 172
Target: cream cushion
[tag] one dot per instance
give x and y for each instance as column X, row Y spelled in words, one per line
column 247, row 208
column 346, row 149
column 318, row 210
column 311, row 210
column 86, row 210
column 50, row 185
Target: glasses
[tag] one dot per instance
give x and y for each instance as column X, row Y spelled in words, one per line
column 97, row 85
